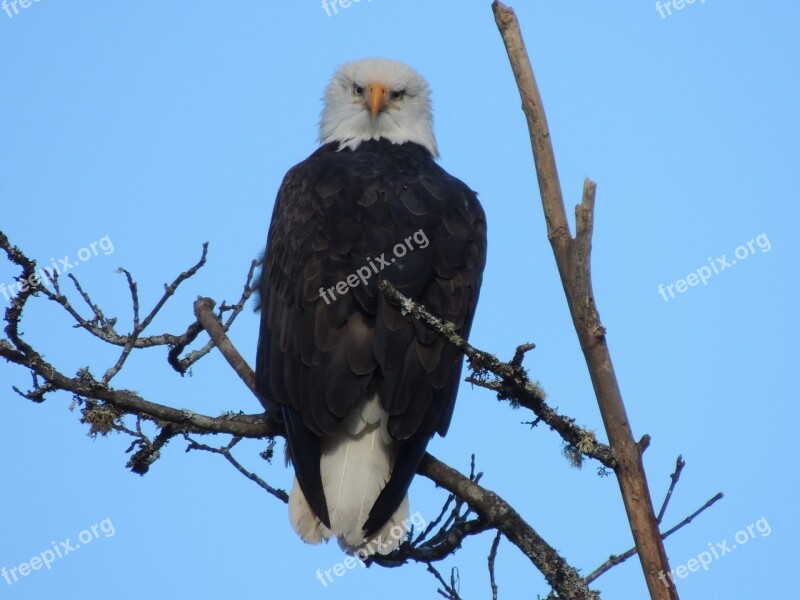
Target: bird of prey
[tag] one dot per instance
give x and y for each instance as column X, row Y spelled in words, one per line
column 360, row 387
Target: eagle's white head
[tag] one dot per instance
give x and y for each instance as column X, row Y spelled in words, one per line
column 377, row 98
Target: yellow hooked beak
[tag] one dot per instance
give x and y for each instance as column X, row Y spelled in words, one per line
column 376, row 98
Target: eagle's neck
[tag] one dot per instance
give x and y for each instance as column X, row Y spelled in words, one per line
column 351, row 130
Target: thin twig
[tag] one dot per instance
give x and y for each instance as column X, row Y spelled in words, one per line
column 147, row 454
column 676, row 475
column 226, row 452
column 691, row 517
column 134, row 289
column 449, row 590
column 491, row 559
column 614, row 560
column 99, row 317
column 182, row 365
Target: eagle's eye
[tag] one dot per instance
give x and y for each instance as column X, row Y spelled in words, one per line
column 357, row 90
column 398, row 94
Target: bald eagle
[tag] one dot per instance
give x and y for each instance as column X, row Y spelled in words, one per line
column 362, row 389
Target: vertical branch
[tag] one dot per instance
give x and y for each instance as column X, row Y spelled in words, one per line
column 574, row 266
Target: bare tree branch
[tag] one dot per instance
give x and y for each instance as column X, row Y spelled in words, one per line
column 676, row 475
column 226, row 452
column 511, row 383
column 204, row 310
column 491, row 559
column 105, row 408
column 573, row 259
column 691, row 517
column 434, row 544
column 182, row 365
column 470, row 508
column 615, row 560
column 499, row 513
column 448, row 590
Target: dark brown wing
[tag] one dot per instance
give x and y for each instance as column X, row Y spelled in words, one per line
column 384, row 211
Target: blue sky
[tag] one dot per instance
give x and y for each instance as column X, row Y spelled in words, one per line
column 159, row 126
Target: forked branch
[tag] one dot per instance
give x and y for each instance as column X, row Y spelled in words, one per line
column 572, row 256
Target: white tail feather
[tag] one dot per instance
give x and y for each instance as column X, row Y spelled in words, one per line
column 303, row 520
column 355, row 465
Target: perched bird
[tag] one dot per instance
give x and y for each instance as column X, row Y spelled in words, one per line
column 361, row 388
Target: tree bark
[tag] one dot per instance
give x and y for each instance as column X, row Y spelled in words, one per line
column 573, row 259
